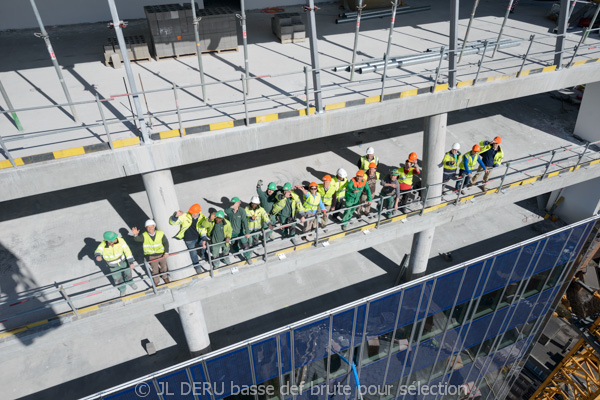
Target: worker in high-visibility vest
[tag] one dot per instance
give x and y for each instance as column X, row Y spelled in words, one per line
column 287, row 208
column 467, row 166
column 405, row 178
column 194, row 237
column 156, row 248
column 340, row 180
column 367, row 159
column 391, row 188
column 267, row 200
column 239, row 225
column 451, row 163
column 354, row 190
column 327, row 192
column 257, row 219
column 119, row 258
column 312, row 205
column 492, row 155
column 219, row 230
column 371, row 176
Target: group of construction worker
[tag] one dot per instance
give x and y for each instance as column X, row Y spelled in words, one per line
column 240, row 228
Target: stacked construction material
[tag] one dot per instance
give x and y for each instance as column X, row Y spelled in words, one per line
column 137, row 49
column 172, row 29
column 288, row 27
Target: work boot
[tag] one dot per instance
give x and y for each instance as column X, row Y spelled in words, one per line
column 295, row 241
column 216, row 264
column 344, row 227
column 483, row 188
column 226, row 261
column 249, row 261
column 122, row 292
column 133, row 285
column 166, row 280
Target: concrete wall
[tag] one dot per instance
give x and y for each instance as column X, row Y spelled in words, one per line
column 17, row 14
column 580, row 201
column 588, row 119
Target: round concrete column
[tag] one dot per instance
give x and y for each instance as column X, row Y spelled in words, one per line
column 434, row 143
column 163, row 202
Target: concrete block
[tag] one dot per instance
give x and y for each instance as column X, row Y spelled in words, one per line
column 299, row 28
column 115, row 58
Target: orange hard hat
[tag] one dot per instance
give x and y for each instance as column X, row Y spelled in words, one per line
column 195, row 209
column 497, row 139
column 312, row 184
column 372, row 165
column 360, row 173
column 476, row 148
column 412, row 157
column 326, row 178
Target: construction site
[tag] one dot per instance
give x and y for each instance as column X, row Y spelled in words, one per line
column 279, row 199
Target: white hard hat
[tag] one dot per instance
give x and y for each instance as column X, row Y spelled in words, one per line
column 342, row 172
column 150, row 222
column 456, row 146
column 255, row 200
column 370, row 150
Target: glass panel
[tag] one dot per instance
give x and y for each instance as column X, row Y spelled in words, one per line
column 554, row 275
column 177, row 384
column 229, row 370
column 552, row 251
column 488, row 303
column 382, row 315
column 376, row 347
column 501, row 271
column 509, row 294
column 342, row 330
column 536, row 283
column 312, row 374
column 425, row 301
column 528, row 253
column 132, row 393
column 286, row 358
column 409, row 305
column 470, row 287
column 264, row 355
column 445, row 291
column 402, row 338
column 311, row 342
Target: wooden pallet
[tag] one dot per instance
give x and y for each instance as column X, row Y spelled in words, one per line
column 286, row 41
column 177, row 56
column 232, row 50
column 108, row 62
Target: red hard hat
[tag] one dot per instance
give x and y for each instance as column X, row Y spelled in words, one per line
column 412, row 157
column 372, row 165
column 476, row 148
column 497, row 139
column 360, row 173
column 326, row 178
column 195, row 209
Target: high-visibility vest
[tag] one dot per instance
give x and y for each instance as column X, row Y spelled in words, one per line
column 499, row 154
column 261, row 217
column 405, row 177
column 227, row 229
column 311, row 203
column 115, row 253
column 153, row 246
column 377, row 175
column 185, row 220
column 470, row 160
column 452, row 161
column 326, row 196
column 281, row 201
column 364, row 162
column 340, row 187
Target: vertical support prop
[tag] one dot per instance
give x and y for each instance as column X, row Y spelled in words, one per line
column 198, row 51
column 531, row 38
column 149, row 272
column 106, row 129
column 181, row 132
column 69, row 301
column 244, row 87
column 359, row 7
column 510, row 3
column 10, row 107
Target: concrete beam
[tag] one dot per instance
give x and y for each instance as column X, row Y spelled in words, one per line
column 102, row 166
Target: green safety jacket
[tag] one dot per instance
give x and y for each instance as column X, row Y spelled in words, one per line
column 281, row 202
column 452, row 161
column 355, row 189
column 499, row 154
column 153, row 246
column 185, row 220
column 227, row 230
column 116, row 253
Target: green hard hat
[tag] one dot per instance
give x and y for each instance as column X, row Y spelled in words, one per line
column 395, row 172
column 287, row 186
column 220, row 214
column 110, row 236
column 272, row 186
column 235, row 199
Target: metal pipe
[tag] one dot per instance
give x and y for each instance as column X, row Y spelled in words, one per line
column 480, row 64
column 264, row 243
column 352, row 14
column 136, row 100
column 6, row 152
column 578, row 46
column 383, row 78
column 106, row 130
column 314, row 55
column 210, row 264
column 177, row 110
column 10, row 107
column 244, row 88
column 510, row 3
column 392, row 22
column 359, row 7
column 198, row 51
column 44, row 35
column 453, row 43
column 145, row 101
column 587, row 145
column 503, row 177
column 439, row 68
column 526, row 55
column 306, row 83
column 563, row 22
column 548, row 165
column 468, row 29
column 68, row 299
column 591, row 26
column 149, row 272
column 245, row 41
column 384, row 14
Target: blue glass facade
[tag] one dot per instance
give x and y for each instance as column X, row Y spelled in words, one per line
column 465, row 326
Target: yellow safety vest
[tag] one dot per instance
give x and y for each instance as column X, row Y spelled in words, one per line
column 311, row 204
column 364, row 162
column 340, row 187
column 115, row 253
column 471, row 161
column 499, row 154
column 280, row 204
column 326, row 196
column 452, row 161
column 261, row 217
column 406, row 178
column 153, row 246
column 185, row 220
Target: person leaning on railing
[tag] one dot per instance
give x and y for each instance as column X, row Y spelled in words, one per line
column 191, row 237
column 390, row 187
column 119, row 258
column 372, row 177
column 327, row 191
column 156, row 246
column 288, row 205
column 312, row 205
column 405, row 178
column 340, row 181
column 239, row 225
column 451, row 162
column 219, row 230
column 267, row 200
column 354, row 190
column 467, row 167
column 492, row 155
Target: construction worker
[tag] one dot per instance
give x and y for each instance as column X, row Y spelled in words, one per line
column 391, row 187
column 312, row 205
column 451, row 162
column 288, row 205
column 327, row 192
column 354, row 190
column 257, row 218
column 340, row 181
column 467, row 166
column 367, row 159
column 372, row 176
column 117, row 255
column 192, row 237
column 267, row 200
column 156, row 246
column 219, row 230
column 492, row 155
column 239, row 225
column 405, row 178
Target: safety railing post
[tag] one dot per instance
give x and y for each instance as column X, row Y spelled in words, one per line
column 439, row 68
column 425, row 200
column 462, row 184
column 548, row 165
column 68, row 299
column 383, row 78
column 177, row 110
column 316, row 230
column 480, row 62
column 587, row 145
column 210, row 264
column 6, row 152
column 576, row 50
column 503, row 178
column 264, row 243
column 307, row 90
column 149, row 272
column 106, row 130
column 244, row 83
column 379, row 212
column 531, row 38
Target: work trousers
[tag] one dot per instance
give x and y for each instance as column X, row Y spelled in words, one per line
column 403, row 199
column 194, row 254
column 365, row 209
column 486, row 175
column 463, row 173
column 216, row 251
column 288, row 232
column 350, row 211
column 121, row 273
column 158, row 267
column 241, row 243
column 388, row 204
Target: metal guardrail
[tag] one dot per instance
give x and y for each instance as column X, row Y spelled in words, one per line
column 545, row 161
column 543, row 57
